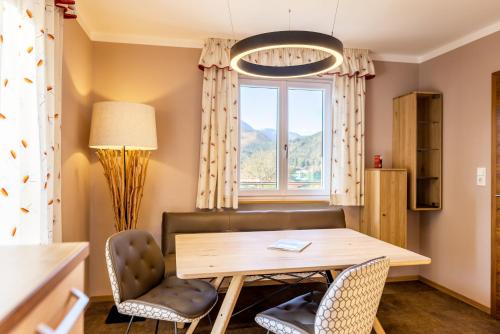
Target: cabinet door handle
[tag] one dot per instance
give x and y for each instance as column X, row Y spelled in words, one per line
column 70, row 319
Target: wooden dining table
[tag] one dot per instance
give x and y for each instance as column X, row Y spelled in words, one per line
column 236, row 255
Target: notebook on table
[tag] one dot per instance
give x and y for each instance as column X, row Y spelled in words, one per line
column 290, row 245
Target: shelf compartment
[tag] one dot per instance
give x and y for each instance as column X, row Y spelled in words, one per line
column 428, row 195
column 422, row 206
column 429, row 122
column 427, row 149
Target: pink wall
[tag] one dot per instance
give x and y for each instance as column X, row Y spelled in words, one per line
column 458, row 238
column 393, row 79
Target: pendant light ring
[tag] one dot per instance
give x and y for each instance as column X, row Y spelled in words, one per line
column 287, row 39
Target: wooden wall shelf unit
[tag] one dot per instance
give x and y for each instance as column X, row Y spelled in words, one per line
column 417, row 147
column 384, row 214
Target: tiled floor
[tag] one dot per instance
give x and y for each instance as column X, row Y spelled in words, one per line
column 406, row 308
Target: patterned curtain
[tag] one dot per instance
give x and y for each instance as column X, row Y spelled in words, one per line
column 218, row 179
column 30, row 73
column 348, row 140
column 217, row 186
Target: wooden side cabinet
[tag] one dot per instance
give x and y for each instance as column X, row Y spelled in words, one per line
column 43, row 290
column 417, row 147
column 384, row 214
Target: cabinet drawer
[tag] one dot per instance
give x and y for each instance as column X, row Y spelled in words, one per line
column 58, row 305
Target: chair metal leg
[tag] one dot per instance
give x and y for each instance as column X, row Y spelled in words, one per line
column 175, row 327
column 329, row 277
column 157, row 324
column 129, row 324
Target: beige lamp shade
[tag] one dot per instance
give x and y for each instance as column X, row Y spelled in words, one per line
column 123, row 124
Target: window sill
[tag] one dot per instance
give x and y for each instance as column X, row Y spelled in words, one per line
column 283, row 199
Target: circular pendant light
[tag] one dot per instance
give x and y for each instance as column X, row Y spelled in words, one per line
column 287, row 39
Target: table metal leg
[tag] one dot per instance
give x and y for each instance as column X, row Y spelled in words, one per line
column 334, row 274
column 217, row 282
column 228, row 304
column 378, row 327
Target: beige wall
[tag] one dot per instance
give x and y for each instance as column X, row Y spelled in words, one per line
column 76, row 102
column 169, row 79
column 458, row 238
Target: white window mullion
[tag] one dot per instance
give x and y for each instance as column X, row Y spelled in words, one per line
column 283, row 126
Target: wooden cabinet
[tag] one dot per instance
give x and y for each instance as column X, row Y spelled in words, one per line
column 384, row 214
column 417, row 147
column 43, row 291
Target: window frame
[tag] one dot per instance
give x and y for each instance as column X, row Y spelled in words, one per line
column 283, row 193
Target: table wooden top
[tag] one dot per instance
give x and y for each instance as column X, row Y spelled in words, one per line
column 30, row 273
column 207, row 255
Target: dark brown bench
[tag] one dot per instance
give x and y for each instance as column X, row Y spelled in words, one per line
column 241, row 221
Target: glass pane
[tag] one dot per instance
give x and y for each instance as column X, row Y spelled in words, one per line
column 258, row 138
column 305, row 138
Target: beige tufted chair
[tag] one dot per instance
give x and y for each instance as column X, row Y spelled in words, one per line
column 137, row 273
column 349, row 306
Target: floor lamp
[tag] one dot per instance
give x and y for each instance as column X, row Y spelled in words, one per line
column 124, row 134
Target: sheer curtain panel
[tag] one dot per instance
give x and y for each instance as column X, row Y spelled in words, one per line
column 30, row 121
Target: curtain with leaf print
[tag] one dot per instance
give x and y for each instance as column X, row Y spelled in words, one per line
column 218, row 178
column 348, row 139
column 30, row 76
column 217, row 185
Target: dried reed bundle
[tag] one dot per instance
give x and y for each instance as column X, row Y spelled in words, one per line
column 126, row 193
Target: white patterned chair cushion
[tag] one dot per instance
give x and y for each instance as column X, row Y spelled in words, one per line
column 348, row 307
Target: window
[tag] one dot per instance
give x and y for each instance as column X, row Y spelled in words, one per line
column 285, row 136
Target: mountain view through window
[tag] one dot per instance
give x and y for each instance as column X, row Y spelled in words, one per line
column 261, row 123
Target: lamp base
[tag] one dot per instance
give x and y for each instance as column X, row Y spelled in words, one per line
column 125, row 172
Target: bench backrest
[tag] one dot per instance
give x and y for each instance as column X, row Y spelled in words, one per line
column 241, row 221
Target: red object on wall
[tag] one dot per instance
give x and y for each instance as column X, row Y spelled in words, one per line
column 69, row 8
column 377, row 161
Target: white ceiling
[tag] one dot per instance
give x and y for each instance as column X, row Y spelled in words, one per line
column 398, row 30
